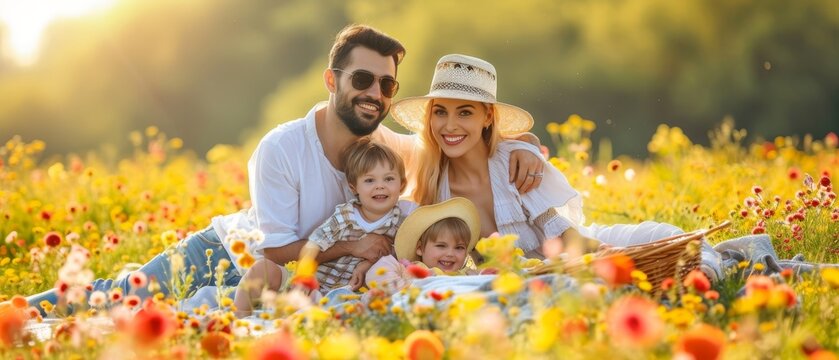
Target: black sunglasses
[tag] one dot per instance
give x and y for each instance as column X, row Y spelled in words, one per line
column 363, row 79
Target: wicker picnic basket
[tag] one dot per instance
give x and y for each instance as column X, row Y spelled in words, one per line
column 668, row 257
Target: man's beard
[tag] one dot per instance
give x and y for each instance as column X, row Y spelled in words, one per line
column 359, row 125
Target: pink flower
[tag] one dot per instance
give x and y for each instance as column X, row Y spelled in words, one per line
column 276, row 346
column 138, row 279
column 131, row 301
column 634, row 321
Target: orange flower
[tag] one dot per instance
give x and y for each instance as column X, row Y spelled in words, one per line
column 238, row 247
column 246, row 260
column 698, row 281
column 702, row 342
column 217, row 344
column 615, row 270
column 822, row 355
column 634, row 321
column 19, row 302
column 712, row 295
column 11, row 325
column 305, row 281
column 574, row 327
column 758, row 283
column 786, row 293
column 667, row 284
column 152, row 325
column 423, row 345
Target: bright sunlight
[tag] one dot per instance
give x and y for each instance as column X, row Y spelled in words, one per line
column 24, row 22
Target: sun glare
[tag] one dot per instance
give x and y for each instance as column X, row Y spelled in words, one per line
column 24, row 22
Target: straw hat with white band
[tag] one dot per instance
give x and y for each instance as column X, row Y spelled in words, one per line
column 464, row 78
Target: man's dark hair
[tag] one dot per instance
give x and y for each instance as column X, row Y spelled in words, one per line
column 363, row 35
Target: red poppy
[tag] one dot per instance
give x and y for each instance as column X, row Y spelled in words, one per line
column 152, row 325
column 698, row 281
column 215, row 324
column 52, row 239
column 418, row 271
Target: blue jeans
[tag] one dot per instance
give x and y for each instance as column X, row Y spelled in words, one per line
column 193, row 249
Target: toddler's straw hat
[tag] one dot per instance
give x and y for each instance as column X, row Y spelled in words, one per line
column 415, row 224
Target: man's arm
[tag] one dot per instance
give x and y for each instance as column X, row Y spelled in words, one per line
column 527, row 137
column 526, row 167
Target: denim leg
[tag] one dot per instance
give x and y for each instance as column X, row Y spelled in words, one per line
column 193, row 249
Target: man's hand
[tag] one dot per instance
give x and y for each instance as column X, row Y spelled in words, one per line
column 370, row 247
column 358, row 275
column 526, row 170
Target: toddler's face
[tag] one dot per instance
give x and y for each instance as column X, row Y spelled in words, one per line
column 378, row 189
column 446, row 252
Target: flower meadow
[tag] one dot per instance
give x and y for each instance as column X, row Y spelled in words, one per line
column 69, row 219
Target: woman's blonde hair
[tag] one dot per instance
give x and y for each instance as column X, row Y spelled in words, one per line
column 454, row 226
column 429, row 168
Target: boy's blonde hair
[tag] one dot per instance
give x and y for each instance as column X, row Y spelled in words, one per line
column 454, row 226
column 363, row 155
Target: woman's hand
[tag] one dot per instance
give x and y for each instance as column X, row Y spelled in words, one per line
column 526, row 170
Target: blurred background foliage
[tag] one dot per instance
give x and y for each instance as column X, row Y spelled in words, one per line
column 221, row 71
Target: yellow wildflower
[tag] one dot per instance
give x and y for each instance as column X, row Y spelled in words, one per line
column 508, row 283
column 831, row 277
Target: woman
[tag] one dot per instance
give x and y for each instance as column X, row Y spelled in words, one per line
column 460, row 124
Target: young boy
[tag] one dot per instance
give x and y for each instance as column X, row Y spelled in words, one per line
column 376, row 175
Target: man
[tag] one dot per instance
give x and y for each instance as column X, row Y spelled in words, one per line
column 296, row 178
